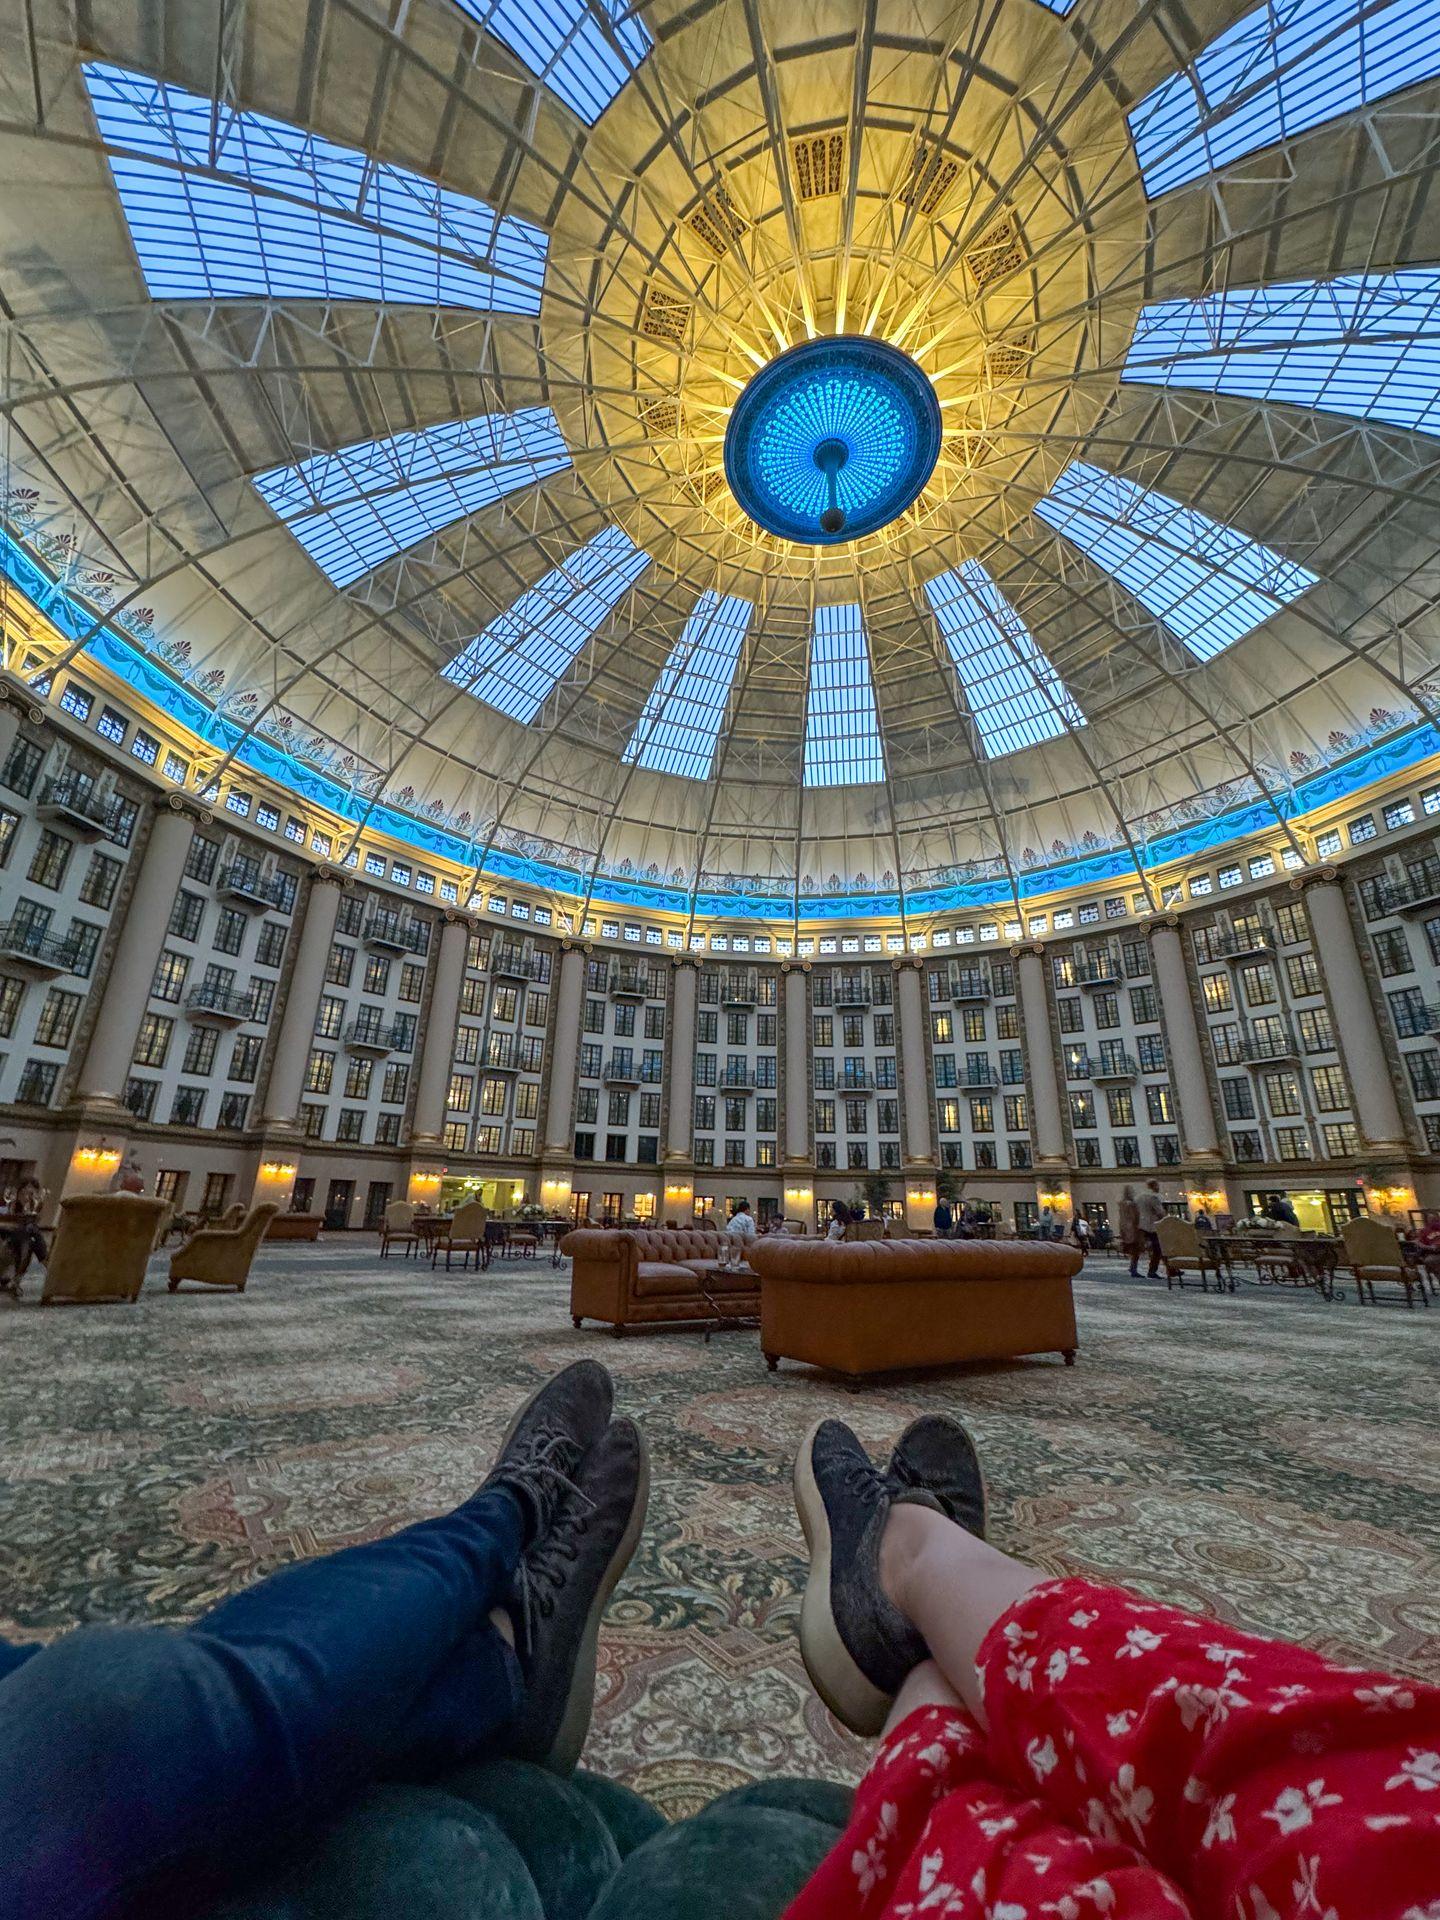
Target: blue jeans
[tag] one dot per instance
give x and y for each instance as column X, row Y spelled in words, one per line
column 144, row 1769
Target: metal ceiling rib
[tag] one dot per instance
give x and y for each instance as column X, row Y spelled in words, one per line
column 144, row 424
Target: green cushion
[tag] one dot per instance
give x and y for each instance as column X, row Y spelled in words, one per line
column 399, row 1853
column 743, row 1864
column 822, row 1800
column 631, row 1819
column 554, row 1827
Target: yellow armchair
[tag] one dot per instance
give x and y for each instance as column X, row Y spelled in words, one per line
column 101, row 1246
column 221, row 1256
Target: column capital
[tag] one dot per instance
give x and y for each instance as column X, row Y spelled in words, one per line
column 797, row 966
column 1318, row 877
column 900, row 961
column 569, row 944
column 1028, row 949
column 327, row 876
column 181, row 803
column 679, row 960
column 458, row 917
column 1162, row 923
column 14, row 693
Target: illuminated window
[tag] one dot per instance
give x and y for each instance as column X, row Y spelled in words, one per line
column 1208, row 583
column 583, row 53
column 1279, row 71
column 842, row 727
column 1014, row 694
column 681, row 722
column 233, row 206
column 1367, row 345
column 520, row 657
column 356, row 508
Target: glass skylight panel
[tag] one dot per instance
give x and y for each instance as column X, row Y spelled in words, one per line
column 1015, row 696
column 235, row 206
column 521, row 657
column 1209, row 584
column 1287, row 67
column 842, row 726
column 1366, row 345
column 679, row 728
column 357, row 508
column 584, row 53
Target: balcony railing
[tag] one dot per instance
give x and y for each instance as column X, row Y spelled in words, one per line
column 251, row 887
column 969, row 983
column 396, row 936
column 1416, row 893
column 77, row 800
column 371, row 1036
column 620, row 1072
column 852, row 990
column 41, row 951
column 514, row 963
column 855, row 1083
column 1264, row 1049
column 1097, row 973
column 1242, row 945
column 740, row 987
column 629, row 983
column 979, row 1079
column 737, row 1079
column 1119, row 1066
column 503, row 1059
column 220, row 1004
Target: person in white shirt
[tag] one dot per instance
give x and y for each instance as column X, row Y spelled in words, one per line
column 740, row 1230
column 1150, row 1211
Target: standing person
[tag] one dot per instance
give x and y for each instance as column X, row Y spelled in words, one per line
column 1150, row 1210
column 128, row 1177
column 22, row 1232
column 1129, row 1225
column 740, row 1233
column 944, row 1219
column 1280, row 1209
column 1080, row 1233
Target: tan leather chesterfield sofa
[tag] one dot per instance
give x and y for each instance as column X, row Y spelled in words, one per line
column 877, row 1306
column 644, row 1276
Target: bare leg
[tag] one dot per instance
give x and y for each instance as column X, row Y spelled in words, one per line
column 925, row 1686
column 953, row 1588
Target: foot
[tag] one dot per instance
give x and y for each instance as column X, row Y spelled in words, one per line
column 856, row 1643
column 561, row 1587
column 549, row 1437
column 936, row 1454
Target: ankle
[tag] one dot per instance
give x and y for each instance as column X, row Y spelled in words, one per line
column 901, row 1547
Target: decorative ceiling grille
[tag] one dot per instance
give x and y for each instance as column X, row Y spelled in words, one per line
column 933, row 172
column 999, row 252
column 663, row 416
column 703, row 487
column 717, row 223
column 818, row 163
column 969, row 449
column 1010, row 359
column 664, row 316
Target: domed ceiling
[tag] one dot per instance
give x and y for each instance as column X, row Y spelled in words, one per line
column 370, row 366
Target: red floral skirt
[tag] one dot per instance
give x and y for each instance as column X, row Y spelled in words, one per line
column 1142, row 1762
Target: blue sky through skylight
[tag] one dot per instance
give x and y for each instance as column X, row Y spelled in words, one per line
column 565, row 45
column 1208, row 583
column 842, row 727
column 680, row 725
column 1287, row 67
column 521, row 657
column 1367, row 345
column 1015, row 696
column 235, row 206
column 354, row 509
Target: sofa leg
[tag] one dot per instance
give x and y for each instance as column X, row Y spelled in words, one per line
column 618, row 1330
column 576, row 1321
column 772, row 1361
column 172, row 1285
column 1068, row 1354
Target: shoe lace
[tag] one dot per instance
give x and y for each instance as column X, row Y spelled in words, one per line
column 545, row 1569
column 543, row 1476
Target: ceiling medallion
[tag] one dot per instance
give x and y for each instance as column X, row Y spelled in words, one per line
column 832, row 440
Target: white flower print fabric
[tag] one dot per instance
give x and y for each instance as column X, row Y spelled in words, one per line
column 1141, row 1765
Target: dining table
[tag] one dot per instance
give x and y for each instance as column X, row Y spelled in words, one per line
column 1300, row 1260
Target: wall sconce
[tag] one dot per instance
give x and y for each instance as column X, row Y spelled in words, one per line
column 1057, row 1200
column 278, row 1169
column 97, row 1157
column 418, row 1179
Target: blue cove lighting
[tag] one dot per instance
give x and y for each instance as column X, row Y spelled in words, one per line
column 832, row 440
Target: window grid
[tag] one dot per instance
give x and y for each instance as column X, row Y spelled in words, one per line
column 680, row 725
column 1013, row 692
column 842, row 726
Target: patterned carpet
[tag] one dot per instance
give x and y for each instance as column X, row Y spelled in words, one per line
column 1273, row 1461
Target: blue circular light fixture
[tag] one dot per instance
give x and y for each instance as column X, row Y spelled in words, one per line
column 832, row 440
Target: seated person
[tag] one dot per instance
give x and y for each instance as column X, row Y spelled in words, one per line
column 740, row 1234
column 1051, row 1746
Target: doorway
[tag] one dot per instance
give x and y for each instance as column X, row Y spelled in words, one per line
column 338, row 1203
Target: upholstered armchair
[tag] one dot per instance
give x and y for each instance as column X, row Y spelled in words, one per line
column 101, row 1246
column 1184, row 1254
column 1373, row 1252
column 398, row 1227
column 465, row 1235
column 221, row 1256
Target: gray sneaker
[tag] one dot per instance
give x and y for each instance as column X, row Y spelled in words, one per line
column 561, row 1587
column 936, row 1455
column 856, row 1643
column 548, row 1439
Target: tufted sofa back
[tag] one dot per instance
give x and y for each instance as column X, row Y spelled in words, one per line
column 642, row 1243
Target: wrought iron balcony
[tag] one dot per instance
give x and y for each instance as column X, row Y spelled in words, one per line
column 1418, row 892
column 629, row 983
column 75, row 800
column 855, row 1083
column 514, row 963
column 851, row 991
column 371, row 1036
column 502, row 1058
column 219, row 1006
column 969, row 984
column 1104, row 972
column 979, row 1079
column 737, row 1079
column 41, row 952
column 621, row 1071
column 1253, row 944
column 1267, row 1049
column 1119, row 1066
column 740, row 987
column 251, row 888
column 387, row 933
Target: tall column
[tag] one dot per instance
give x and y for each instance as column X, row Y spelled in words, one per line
column 302, row 997
column 1198, row 1131
column 565, row 1052
column 679, row 1131
column 1047, row 1131
column 127, row 988
column 17, row 703
column 1358, row 1031
column 798, row 1106
column 437, row 1048
column 914, row 1072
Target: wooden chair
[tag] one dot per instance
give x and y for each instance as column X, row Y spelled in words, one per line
column 464, row 1235
column 398, row 1226
column 1373, row 1252
column 1184, row 1253
column 101, row 1246
column 522, row 1242
column 221, row 1256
